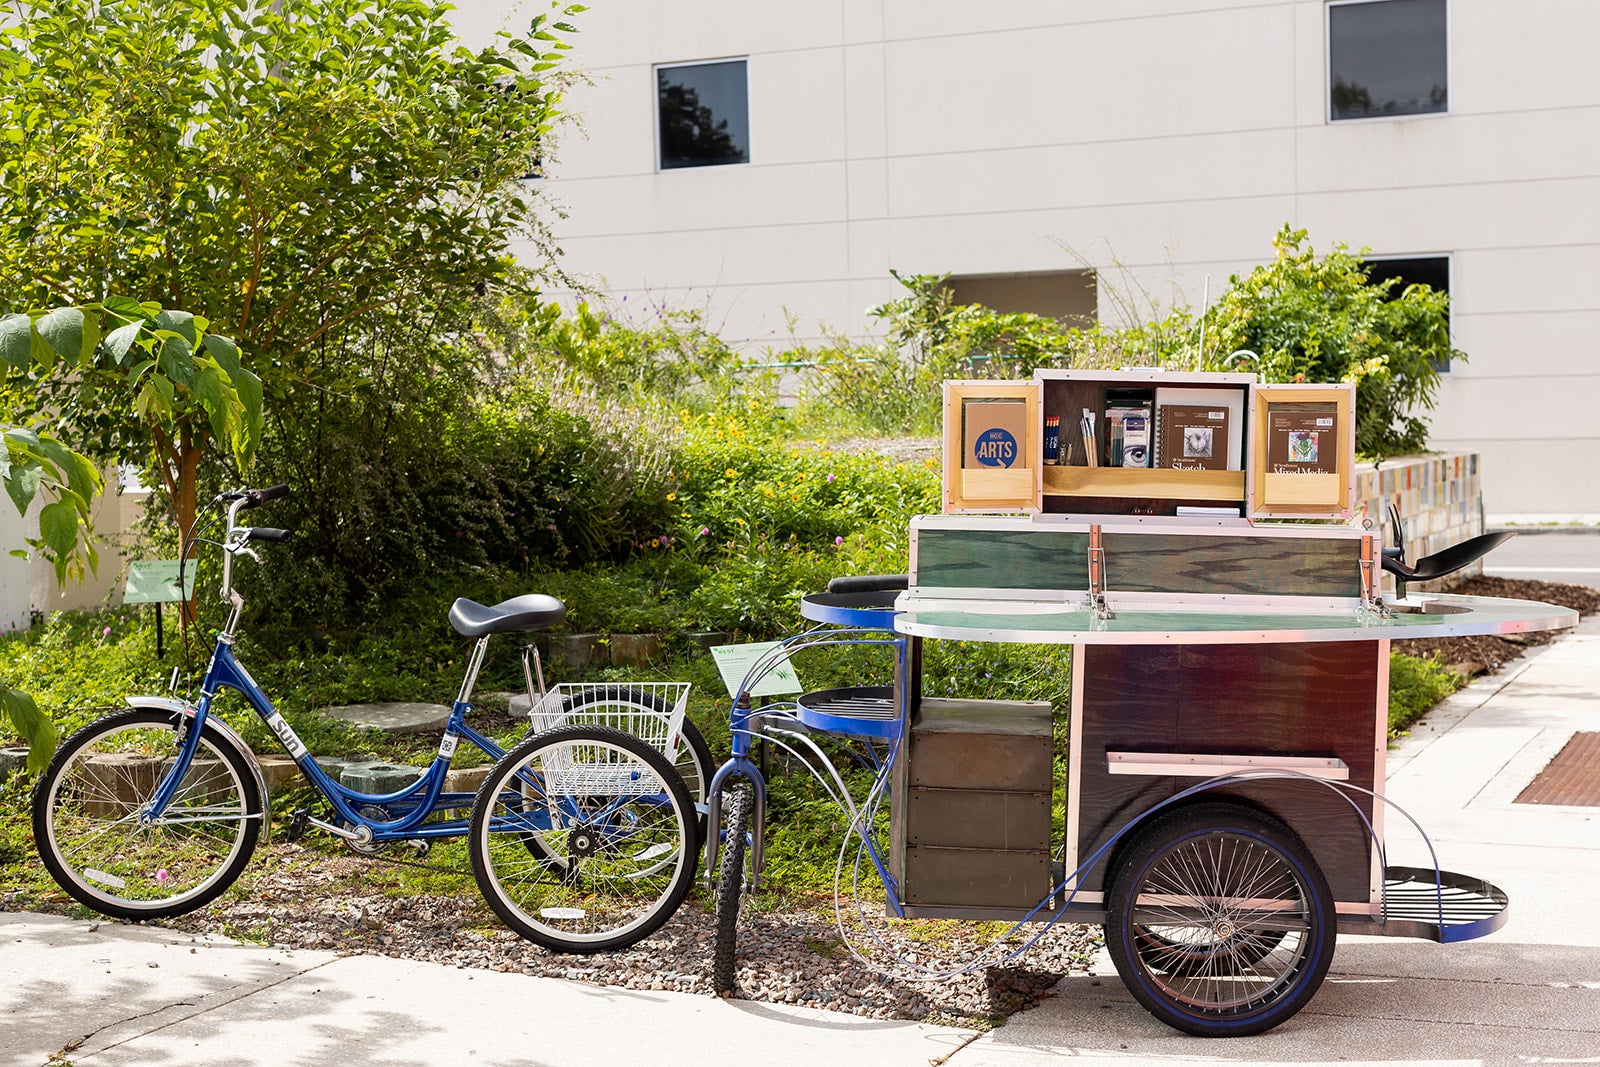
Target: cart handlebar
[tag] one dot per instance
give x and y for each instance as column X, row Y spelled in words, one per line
column 869, row 583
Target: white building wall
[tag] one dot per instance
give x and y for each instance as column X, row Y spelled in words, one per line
column 1170, row 137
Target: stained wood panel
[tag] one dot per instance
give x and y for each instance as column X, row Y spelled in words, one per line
column 1265, row 566
column 1140, row 561
column 1002, row 559
column 1317, row 699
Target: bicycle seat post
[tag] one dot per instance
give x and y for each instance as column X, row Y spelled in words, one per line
column 535, row 672
column 474, row 662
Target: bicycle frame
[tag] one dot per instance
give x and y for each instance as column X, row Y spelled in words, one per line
column 419, row 800
column 746, row 726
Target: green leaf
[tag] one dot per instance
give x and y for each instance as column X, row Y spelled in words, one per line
column 207, row 388
column 177, row 360
column 16, row 340
column 224, row 351
column 248, row 386
column 21, row 437
column 180, row 323
column 23, row 483
column 26, row 718
column 119, row 342
column 62, row 330
column 154, row 402
column 125, row 307
column 79, row 473
column 58, row 529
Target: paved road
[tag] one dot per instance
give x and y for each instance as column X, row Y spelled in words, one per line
column 1547, row 555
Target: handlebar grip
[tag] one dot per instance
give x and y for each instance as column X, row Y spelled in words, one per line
column 256, row 497
column 869, row 583
column 268, row 533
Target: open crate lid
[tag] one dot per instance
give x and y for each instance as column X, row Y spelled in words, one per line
column 1302, row 452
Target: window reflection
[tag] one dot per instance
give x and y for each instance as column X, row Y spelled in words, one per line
column 1387, row 57
column 704, row 114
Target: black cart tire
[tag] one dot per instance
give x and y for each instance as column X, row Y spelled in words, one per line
column 87, row 828
column 732, row 877
column 1219, row 921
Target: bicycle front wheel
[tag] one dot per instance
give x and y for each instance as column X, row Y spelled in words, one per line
column 94, row 833
column 582, row 839
column 732, row 879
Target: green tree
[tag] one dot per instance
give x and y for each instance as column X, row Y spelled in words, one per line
column 305, row 177
column 32, row 463
column 159, row 371
column 1311, row 319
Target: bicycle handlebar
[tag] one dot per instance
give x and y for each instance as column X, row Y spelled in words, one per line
column 266, row 533
column 254, row 498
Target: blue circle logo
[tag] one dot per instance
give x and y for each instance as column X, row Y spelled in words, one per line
column 995, row 448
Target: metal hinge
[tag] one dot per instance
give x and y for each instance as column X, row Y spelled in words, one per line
column 1097, row 576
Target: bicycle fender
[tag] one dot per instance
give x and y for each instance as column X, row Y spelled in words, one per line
column 174, row 706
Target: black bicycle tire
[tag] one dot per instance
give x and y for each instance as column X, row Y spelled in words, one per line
column 730, row 887
column 45, row 837
column 483, row 867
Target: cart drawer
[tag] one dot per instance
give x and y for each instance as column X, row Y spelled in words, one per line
column 997, row 745
column 976, row 877
column 975, row 818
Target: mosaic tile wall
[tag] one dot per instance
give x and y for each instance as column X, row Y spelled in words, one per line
column 1439, row 500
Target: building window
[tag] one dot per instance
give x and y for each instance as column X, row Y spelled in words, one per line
column 1387, row 58
column 1432, row 271
column 704, row 114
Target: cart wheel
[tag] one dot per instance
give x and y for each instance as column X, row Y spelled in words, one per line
column 1220, row 923
column 732, row 877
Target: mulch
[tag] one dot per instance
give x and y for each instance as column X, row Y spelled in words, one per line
column 1483, row 653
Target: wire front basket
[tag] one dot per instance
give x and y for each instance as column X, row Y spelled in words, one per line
column 651, row 711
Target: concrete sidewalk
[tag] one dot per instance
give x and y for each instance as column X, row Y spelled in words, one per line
column 109, row 993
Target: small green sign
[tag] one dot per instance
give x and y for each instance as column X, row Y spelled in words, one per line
column 155, row 581
column 735, row 661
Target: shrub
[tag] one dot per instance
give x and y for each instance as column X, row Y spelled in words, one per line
column 548, row 474
column 1320, row 320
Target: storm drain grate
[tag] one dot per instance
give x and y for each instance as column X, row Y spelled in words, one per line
column 1573, row 777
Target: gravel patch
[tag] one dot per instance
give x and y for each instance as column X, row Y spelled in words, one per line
column 303, row 897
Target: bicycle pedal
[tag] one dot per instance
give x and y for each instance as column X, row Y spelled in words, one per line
column 297, row 824
column 421, row 846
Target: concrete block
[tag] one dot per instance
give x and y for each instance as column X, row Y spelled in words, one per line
column 378, row 777
column 207, row 778
column 333, row 766
column 12, row 758
column 122, row 781
column 279, row 771
column 395, row 717
column 466, row 779
column 707, row 639
column 634, row 650
column 574, row 652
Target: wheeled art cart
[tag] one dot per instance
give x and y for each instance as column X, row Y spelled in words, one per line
column 1224, row 814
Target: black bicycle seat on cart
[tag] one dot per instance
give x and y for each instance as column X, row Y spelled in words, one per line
column 870, row 583
column 531, row 611
column 1446, row 561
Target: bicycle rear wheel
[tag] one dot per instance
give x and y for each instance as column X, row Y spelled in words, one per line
column 88, row 820
column 582, row 839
